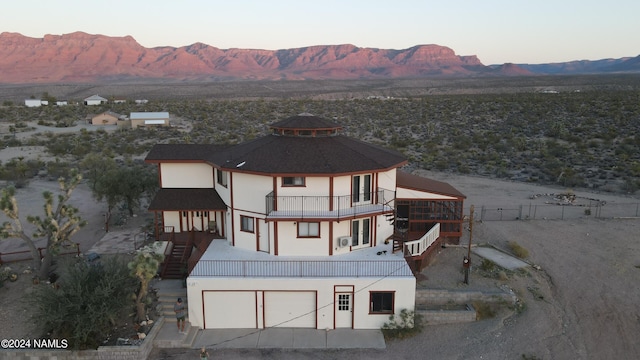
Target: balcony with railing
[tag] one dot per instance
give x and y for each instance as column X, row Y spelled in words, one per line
column 329, row 207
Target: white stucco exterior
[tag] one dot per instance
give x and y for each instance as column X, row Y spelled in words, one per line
column 256, row 301
column 186, row 175
column 402, row 193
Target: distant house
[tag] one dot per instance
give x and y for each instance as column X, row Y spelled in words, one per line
column 106, row 118
column 95, row 100
column 149, row 119
column 33, row 103
column 141, row 101
column 119, row 101
column 62, row 102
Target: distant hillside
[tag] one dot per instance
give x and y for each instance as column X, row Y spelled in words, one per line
column 82, row 58
column 586, row 67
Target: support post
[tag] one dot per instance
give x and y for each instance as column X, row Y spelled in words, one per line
column 466, row 262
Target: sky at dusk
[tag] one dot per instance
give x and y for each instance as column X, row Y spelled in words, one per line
column 497, row 31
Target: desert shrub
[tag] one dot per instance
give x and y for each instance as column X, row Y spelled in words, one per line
column 502, row 276
column 86, row 303
column 484, row 310
column 408, row 324
column 487, row 265
column 518, row 250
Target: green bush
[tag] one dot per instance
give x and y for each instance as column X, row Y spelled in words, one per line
column 86, row 303
column 408, row 324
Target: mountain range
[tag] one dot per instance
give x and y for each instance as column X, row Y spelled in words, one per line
column 82, row 58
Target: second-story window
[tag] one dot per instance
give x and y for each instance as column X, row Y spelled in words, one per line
column 293, row 181
column 221, row 177
column 308, row 229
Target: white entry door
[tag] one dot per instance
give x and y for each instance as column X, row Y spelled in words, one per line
column 263, row 236
column 344, row 310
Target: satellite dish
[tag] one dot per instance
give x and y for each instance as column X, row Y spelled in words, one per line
column 240, row 165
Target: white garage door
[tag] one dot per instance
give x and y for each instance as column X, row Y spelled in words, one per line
column 290, row 309
column 230, row 309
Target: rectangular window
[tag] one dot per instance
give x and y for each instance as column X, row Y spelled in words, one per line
column 293, row 181
column 381, row 302
column 361, row 188
column 246, row 223
column 308, row 229
column 221, row 176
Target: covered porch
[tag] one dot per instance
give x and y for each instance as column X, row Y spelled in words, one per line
column 187, row 220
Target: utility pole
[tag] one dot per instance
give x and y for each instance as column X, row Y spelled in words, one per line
column 466, row 263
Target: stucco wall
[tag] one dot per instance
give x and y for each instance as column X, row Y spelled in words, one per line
column 404, row 296
column 186, row 175
column 402, row 193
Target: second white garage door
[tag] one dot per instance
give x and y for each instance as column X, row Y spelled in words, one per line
column 290, row 309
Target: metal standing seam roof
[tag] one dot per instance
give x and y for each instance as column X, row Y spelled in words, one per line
column 224, row 260
column 148, row 115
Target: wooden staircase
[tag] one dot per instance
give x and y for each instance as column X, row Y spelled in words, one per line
column 176, row 256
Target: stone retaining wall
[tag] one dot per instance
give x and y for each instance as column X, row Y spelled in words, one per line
column 426, row 298
column 102, row 353
column 444, row 316
column 443, row 297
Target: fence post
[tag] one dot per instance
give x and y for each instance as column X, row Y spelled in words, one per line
column 482, row 213
column 520, row 213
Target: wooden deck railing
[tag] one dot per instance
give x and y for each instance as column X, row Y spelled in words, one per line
column 418, row 247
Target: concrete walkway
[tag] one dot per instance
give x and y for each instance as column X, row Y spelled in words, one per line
column 288, row 338
column 280, row 338
column 501, row 259
column 119, row 241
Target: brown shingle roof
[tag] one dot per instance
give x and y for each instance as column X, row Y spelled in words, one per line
column 274, row 154
column 410, row 181
column 186, row 152
column 187, row 199
column 286, row 155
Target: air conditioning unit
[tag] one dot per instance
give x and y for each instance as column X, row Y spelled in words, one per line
column 344, row 241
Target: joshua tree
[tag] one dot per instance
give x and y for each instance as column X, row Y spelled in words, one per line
column 144, row 267
column 59, row 224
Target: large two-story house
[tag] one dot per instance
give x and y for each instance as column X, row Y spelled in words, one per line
column 304, row 227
